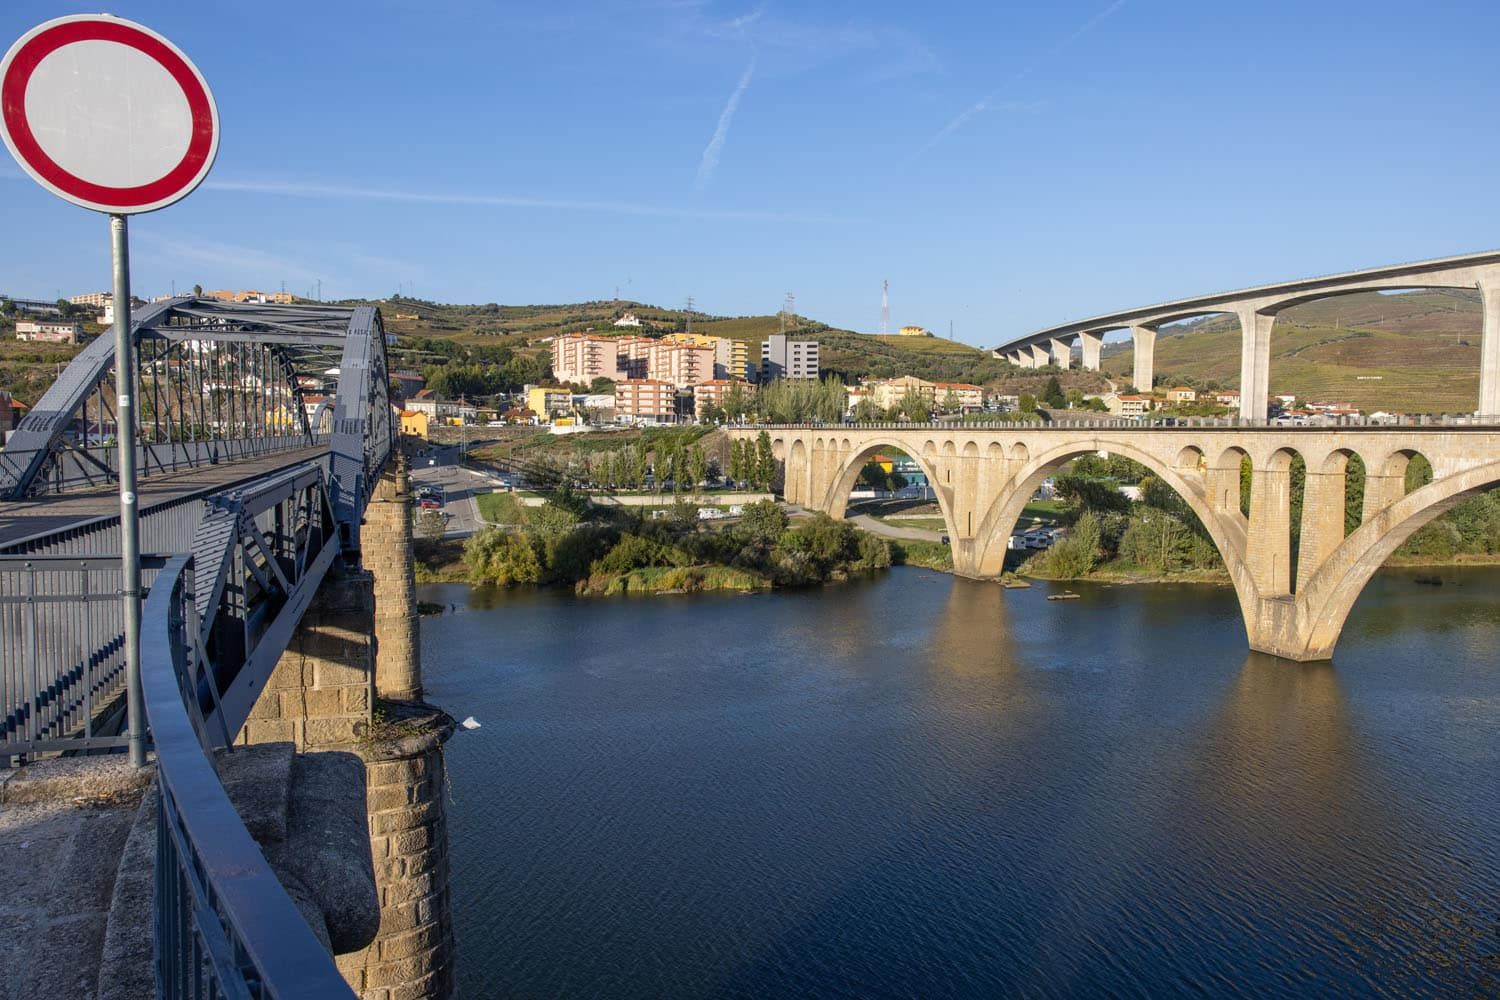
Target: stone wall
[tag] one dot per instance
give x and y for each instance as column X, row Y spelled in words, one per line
column 321, row 693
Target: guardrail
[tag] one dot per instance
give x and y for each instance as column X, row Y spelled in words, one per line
column 1431, row 420
column 62, row 658
column 224, row 925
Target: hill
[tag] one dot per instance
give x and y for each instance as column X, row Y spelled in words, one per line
column 1415, row 352
column 523, row 330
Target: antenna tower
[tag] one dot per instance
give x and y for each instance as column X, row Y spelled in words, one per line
column 788, row 311
column 690, row 314
column 885, row 306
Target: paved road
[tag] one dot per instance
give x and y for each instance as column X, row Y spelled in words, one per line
column 867, row 523
column 439, row 467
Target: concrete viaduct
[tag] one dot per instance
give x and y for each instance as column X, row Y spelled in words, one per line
column 1257, row 308
column 984, row 476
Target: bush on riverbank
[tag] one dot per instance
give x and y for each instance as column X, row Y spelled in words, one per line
column 926, row 555
column 612, row 550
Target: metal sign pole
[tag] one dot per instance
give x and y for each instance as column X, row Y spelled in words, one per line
column 125, row 440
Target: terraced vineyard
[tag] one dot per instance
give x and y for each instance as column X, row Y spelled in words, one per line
column 1415, row 352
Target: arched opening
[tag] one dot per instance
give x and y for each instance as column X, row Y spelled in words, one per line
column 911, row 508
column 1169, row 528
column 1227, row 484
column 1275, row 522
column 1331, row 594
column 794, row 482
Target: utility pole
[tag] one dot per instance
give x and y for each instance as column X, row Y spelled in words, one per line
column 885, row 306
column 689, row 314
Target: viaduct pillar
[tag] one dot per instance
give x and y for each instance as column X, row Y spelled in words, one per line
column 1255, row 361
column 1062, row 352
column 1144, row 340
column 1489, row 349
column 1093, row 345
column 1038, row 356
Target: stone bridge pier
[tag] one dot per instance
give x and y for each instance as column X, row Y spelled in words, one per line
column 350, row 681
column 1294, row 599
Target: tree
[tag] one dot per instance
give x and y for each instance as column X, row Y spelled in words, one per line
column 697, row 465
column 737, row 401
column 764, row 520
column 197, row 291
column 913, row 406
column 1027, row 403
column 602, row 385
column 951, row 403
column 765, row 461
column 1053, row 395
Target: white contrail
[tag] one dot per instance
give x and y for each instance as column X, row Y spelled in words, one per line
column 313, row 189
column 1026, row 71
column 710, row 161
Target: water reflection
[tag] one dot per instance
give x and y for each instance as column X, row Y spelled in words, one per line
column 922, row 786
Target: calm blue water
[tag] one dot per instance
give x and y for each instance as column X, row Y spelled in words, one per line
column 929, row 787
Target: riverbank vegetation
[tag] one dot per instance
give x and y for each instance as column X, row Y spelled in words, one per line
column 569, row 541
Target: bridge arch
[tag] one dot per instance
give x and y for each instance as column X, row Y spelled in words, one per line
column 1330, row 594
column 836, row 501
column 1000, row 520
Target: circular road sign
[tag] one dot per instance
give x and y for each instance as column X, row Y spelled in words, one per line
column 107, row 114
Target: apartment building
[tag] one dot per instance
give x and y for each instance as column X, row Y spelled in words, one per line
column 784, row 358
column 580, row 358
column 641, row 399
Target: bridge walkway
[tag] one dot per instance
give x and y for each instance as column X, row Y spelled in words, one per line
column 25, row 519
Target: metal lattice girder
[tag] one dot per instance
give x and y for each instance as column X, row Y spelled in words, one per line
column 267, row 350
column 248, row 601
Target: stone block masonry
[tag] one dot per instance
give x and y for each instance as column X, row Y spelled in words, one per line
column 321, row 693
column 386, row 539
column 412, row 954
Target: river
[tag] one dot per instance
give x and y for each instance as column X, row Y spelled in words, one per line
column 921, row 786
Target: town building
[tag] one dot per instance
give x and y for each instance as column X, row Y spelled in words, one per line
column 411, row 383
column 644, row 399
column 731, row 357
column 784, row 358
column 710, row 393
column 1229, row 398
column 629, row 319
column 915, row 331
column 1181, row 394
column 889, row 392
column 97, row 300
column 415, row 423
column 581, row 358
column 965, row 397
column 548, row 401
column 683, row 365
column 11, row 411
column 1128, row 405
column 48, row 331
column 250, row 295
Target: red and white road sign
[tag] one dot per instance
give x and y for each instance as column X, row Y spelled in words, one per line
column 107, row 114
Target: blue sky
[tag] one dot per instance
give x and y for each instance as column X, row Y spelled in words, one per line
column 1004, row 165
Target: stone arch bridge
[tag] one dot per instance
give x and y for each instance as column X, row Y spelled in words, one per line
column 984, row 476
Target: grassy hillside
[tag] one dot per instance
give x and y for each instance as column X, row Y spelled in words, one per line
column 846, row 353
column 1416, row 352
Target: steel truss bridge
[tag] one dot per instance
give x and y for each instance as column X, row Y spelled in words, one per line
column 262, row 432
